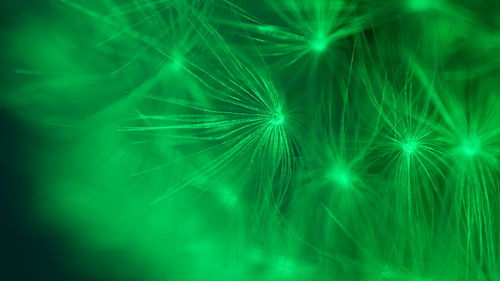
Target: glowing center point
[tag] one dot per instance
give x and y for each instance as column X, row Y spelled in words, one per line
column 470, row 147
column 341, row 177
column 420, row 5
column 176, row 63
column 277, row 118
column 410, row 146
column 319, row 44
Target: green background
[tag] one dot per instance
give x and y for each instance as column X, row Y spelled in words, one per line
column 250, row 140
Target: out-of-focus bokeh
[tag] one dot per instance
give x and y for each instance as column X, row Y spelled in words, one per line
column 250, row 140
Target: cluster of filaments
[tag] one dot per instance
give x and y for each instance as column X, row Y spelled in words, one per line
column 216, row 107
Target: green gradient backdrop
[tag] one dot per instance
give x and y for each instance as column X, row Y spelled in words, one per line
column 251, row 140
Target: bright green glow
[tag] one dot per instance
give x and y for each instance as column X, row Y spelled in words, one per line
column 266, row 29
column 176, row 64
column 470, row 147
column 295, row 140
column 420, row 5
column 303, row 29
column 410, row 146
column 341, row 176
column 319, row 44
column 277, row 118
